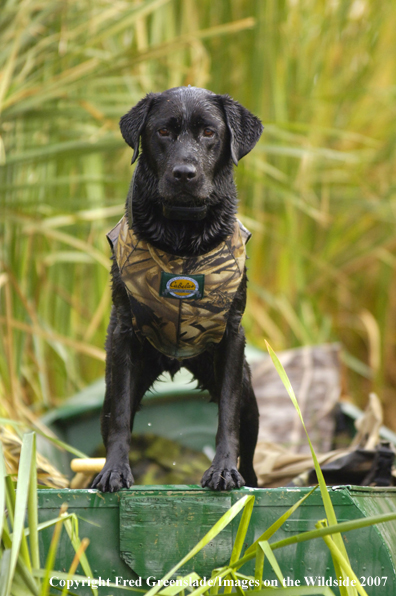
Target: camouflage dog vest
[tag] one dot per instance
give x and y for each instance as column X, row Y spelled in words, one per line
column 180, row 304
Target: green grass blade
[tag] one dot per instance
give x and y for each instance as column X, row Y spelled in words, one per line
column 49, row 564
column 21, row 568
column 278, row 523
column 4, row 570
column 19, row 544
column 33, row 510
column 10, row 499
column 266, row 548
column 322, row 484
column 340, row 561
column 259, row 566
column 240, row 537
column 2, row 488
column 76, row 560
column 220, row 573
column 242, row 529
column 138, row 12
column 238, row 588
column 71, row 527
column 57, row 442
column 18, row 588
column 342, row 527
column 298, row 591
column 215, row 576
column 6, row 537
column 62, row 445
column 217, row 528
column 26, row 575
column 173, row 590
column 313, row 534
column 54, row 521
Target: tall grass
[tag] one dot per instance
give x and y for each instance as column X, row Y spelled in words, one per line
column 317, row 192
column 20, row 556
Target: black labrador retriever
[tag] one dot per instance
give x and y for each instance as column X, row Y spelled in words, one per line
column 179, row 276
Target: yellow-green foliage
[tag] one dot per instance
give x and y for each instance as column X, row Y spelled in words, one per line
column 317, row 191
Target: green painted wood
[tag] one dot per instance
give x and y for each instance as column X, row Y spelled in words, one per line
column 98, row 520
column 144, row 531
column 156, row 531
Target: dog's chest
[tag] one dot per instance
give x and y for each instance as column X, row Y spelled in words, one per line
column 180, row 304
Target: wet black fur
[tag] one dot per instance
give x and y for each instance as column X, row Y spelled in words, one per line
column 132, row 366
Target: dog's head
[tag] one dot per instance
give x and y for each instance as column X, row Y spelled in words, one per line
column 189, row 135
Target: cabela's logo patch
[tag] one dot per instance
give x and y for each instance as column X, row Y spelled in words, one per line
column 181, row 286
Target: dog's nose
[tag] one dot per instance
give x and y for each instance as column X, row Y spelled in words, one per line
column 184, row 172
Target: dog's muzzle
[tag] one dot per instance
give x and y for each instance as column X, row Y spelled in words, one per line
column 184, row 213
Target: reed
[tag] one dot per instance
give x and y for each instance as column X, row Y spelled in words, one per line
column 20, row 570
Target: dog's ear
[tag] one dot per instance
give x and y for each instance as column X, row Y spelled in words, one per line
column 132, row 124
column 245, row 129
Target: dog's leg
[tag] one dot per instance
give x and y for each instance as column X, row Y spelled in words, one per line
column 248, row 431
column 116, row 412
column 127, row 381
column 228, row 372
column 224, row 377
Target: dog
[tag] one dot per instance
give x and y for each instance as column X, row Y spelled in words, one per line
column 179, row 276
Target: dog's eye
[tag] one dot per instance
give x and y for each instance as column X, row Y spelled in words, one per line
column 163, row 132
column 208, row 132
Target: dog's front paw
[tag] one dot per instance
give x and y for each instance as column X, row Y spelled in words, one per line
column 113, row 477
column 222, row 477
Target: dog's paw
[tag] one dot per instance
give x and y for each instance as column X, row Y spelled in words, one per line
column 222, row 478
column 113, row 477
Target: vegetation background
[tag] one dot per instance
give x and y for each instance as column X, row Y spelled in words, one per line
column 318, row 192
